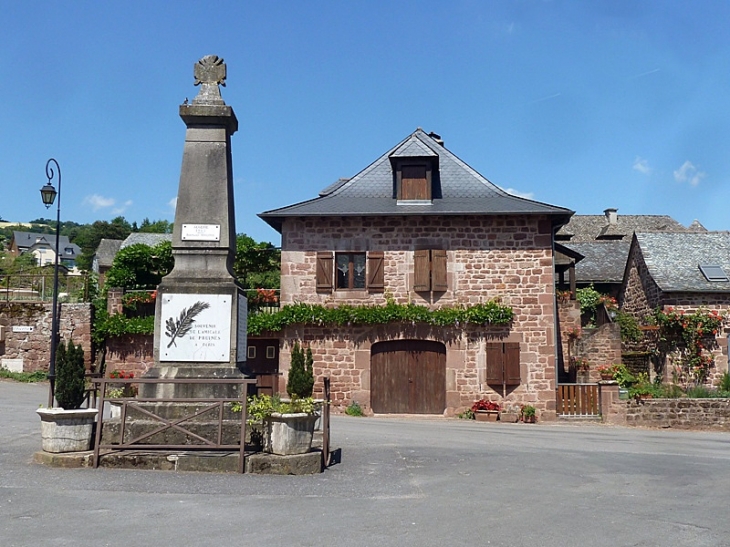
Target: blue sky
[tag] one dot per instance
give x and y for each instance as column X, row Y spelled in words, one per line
column 585, row 105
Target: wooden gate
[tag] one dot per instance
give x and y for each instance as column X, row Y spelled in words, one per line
column 579, row 400
column 408, row 377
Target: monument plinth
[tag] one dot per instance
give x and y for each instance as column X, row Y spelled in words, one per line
column 200, row 317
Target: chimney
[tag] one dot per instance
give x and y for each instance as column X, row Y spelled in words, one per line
column 611, row 216
column 436, row 137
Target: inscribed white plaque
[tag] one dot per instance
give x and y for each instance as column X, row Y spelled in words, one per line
column 196, row 327
column 201, row 232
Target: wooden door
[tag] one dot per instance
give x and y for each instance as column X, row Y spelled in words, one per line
column 408, row 377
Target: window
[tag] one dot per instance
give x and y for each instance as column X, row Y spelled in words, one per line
column 350, row 270
column 346, row 271
column 429, row 270
column 252, row 352
column 713, row 272
column 503, row 364
column 271, row 352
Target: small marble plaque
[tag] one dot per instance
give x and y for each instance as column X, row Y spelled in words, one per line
column 201, row 232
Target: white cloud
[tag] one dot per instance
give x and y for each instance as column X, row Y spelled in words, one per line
column 689, row 173
column 119, row 210
column 526, row 195
column 642, row 166
column 99, row 202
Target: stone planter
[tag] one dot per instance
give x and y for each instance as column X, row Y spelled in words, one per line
column 486, row 415
column 509, row 417
column 288, row 434
column 66, row 430
column 582, row 377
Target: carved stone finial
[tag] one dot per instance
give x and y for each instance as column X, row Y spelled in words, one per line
column 209, row 72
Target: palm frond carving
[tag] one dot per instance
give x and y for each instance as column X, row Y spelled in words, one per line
column 178, row 329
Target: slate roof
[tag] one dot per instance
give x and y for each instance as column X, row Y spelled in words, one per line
column 602, row 262
column 673, row 259
column 586, row 228
column 26, row 240
column 461, row 191
column 106, row 251
column 147, row 239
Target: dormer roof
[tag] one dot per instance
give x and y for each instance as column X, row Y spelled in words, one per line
column 462, row 191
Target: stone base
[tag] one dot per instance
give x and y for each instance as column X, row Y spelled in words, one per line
column 191, row 391
column 215, row 462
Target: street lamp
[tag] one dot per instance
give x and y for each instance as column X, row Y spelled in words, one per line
column 48, row 195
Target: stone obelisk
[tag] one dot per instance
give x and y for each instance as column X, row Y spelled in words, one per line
column 200, row 317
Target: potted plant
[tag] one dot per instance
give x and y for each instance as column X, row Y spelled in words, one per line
column 529, row 415
column 288, row 426
column 119, row 391
column 582, row 368
column 68, row 428
column 485, row 411
column 606, row 371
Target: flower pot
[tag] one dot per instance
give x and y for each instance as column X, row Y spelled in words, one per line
column 530, row 419
column 287, row 434
column 582, row 377
column 509, row 417
column 486, row 415
column 66, row 430
column 607, row 376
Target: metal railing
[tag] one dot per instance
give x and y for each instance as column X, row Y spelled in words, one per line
column 197, row 442
column 39, row 288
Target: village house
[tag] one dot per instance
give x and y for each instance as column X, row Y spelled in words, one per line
column 685, row 272
column 420, row 226
column 43, row 248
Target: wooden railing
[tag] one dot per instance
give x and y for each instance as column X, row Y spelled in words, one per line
column 580, row 400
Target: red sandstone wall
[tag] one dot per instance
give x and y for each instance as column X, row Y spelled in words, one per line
column 501, row 257
column 34, row 347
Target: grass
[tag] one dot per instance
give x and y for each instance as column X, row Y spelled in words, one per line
column 354, row 409
column 26, row 377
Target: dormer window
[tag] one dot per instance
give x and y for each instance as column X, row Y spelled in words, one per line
column 414, row 183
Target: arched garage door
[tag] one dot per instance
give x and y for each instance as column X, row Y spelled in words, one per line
column 408, row 377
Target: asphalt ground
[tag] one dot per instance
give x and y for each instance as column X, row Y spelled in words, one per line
column 401, row 482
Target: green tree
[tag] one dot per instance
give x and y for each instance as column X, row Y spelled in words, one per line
column 256, row 265
column 88, row 237
column 156, row 227
column 70, row 371
column 140, row 266
column 301, row 373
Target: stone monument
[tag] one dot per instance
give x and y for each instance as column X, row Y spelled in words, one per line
column 200, row 315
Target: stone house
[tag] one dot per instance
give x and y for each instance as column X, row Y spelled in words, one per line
column 683, row 271
column 603, row 241
column 419, row 225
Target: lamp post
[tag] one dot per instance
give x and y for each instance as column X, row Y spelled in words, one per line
column 48, row 195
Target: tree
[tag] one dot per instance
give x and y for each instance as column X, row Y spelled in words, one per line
column 140, row 266
column 70, row 371
column 156, row 227
column 88, row 237
column 256, row 265
column 301, row 373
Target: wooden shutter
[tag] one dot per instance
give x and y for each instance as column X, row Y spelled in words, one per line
column 325, row 267
column 438, row 270
column 511, row 362
column 375, row 273
column 495, row 369
column 422, row 270
column 503, row 363
column 414, row 183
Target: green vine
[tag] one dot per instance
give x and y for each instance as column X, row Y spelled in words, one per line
column 490, row 313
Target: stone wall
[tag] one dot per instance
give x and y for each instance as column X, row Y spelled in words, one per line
column 30, row 351
column 640, row 295
column 679, row 413
column 130, row 353
column 505, row 258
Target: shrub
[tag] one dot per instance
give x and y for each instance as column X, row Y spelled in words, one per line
column 70, row 371
column 354, row 409
column 725, row 381
column 301, row 376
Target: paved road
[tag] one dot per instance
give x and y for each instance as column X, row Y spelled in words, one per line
column 401, row 482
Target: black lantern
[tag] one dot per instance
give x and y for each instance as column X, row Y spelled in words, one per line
column 48, row 194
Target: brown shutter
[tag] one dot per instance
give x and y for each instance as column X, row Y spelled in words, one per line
column 376, row 275
column 494, row 364
column 414, row 183
column 512, row 364
column 421, row 270
column 438, row 270
column 325, row 267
